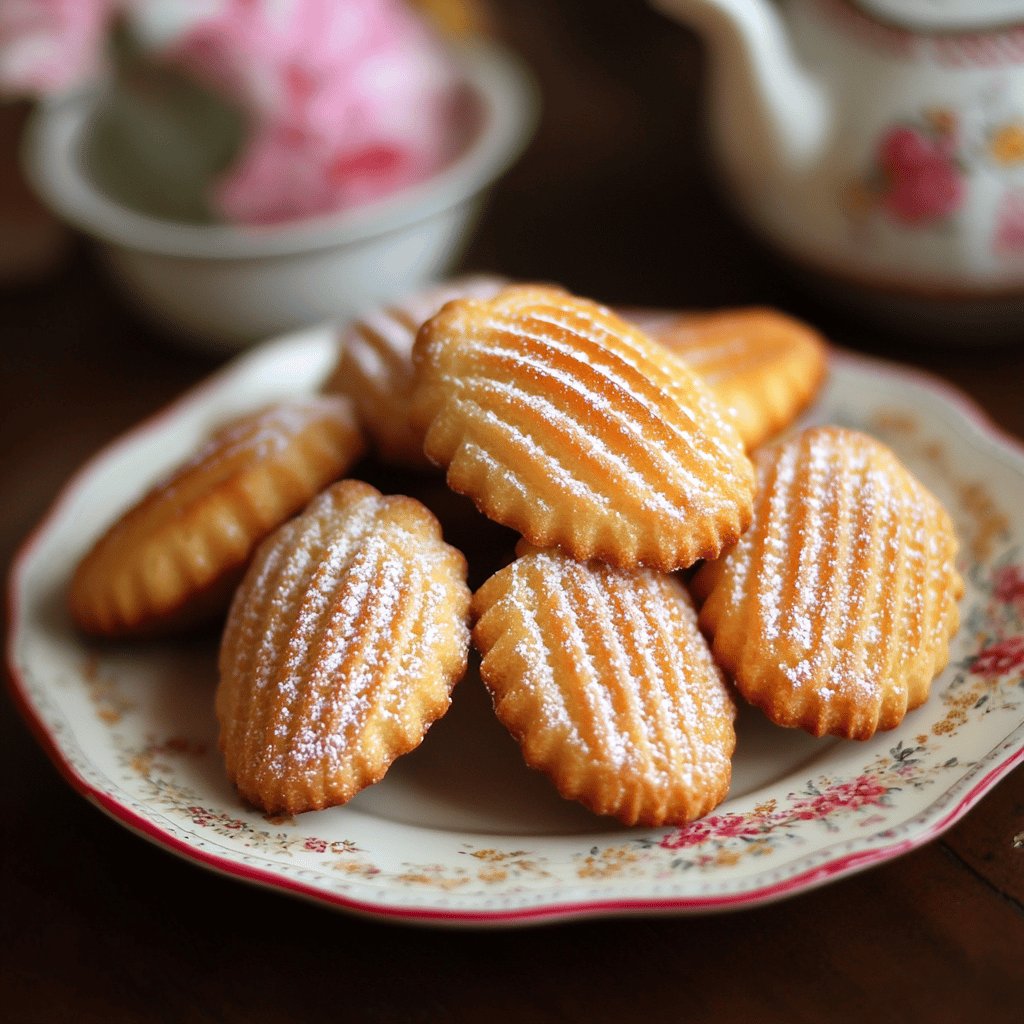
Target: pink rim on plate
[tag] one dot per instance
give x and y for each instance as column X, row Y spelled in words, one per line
column 797, row 819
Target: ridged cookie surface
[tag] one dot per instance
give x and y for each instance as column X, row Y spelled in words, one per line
column 565, row 423
column 603, row 678
column 834, row 611
column 175, row 557
column 375, row 365
column 764, row 367
column 342, row 646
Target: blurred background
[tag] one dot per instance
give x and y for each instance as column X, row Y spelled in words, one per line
column 609, row 195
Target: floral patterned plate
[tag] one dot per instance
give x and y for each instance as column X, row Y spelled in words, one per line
column 460, row 832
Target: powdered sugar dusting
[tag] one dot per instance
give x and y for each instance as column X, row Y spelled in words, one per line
column 360, row 613
column 776, row 544
column 846, row 559
column 508, row 478
column 597, row 426
column 657, row 488
column 260, row 437
column 536, row 657
column 631, row 381
column 612, row 681
column 376, row 369
column 380, row 342
column 524, row 445
column 587, row 689
column 364, row 611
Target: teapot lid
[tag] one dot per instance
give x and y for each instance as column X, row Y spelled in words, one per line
column 945, row 15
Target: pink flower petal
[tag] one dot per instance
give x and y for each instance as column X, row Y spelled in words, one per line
column 47, row 46
column 363, row 84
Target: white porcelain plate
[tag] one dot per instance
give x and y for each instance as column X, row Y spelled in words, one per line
column 460, row 832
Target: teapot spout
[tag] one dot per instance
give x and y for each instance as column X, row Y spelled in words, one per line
column 767, row 112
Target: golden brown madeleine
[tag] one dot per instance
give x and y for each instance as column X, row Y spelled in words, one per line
column 375, row 369
column 342, row 647
column 603, row 678
column 175, row 557
column 834, row 611
column 560, row 420
column 764, row 367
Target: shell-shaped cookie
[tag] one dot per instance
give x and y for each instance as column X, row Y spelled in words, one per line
column 834, row 611
column 342, row 647
column 375, row 371
column 565, row 423
column 175, row 557
column 764, row 367
column 603, row 678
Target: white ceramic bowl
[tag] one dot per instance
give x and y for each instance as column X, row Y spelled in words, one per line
column 224, row 286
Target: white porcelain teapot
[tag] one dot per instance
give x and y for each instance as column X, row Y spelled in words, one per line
column 879, row 141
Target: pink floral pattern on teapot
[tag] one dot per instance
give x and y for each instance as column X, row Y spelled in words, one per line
column 919, row 177
column 921, row 171
column 871, row 146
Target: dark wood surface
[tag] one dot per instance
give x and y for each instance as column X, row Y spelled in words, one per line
column 612, row 200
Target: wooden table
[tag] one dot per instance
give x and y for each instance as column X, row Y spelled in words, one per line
column 99, row 926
